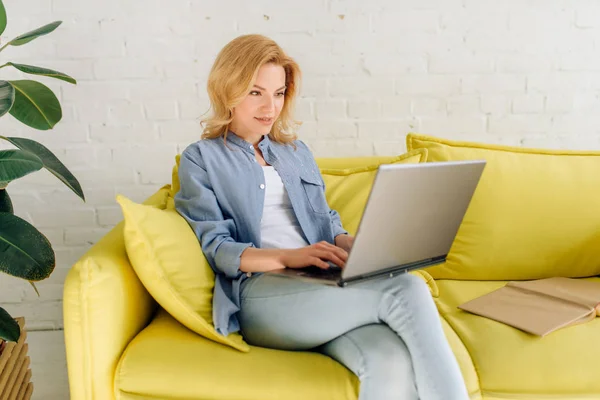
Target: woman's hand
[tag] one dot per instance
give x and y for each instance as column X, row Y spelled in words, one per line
column 316, row 254
column 344, row 241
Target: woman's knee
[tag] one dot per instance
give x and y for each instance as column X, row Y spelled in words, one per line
column 413, row 286
column 405, row 283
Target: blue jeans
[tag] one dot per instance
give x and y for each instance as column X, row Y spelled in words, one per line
column 386, row 331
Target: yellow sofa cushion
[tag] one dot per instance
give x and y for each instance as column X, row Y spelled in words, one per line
column 534, row 213
column 175, row 186
column 168, row 259
column 167, row 361
column 512, row 364
column 336, row 163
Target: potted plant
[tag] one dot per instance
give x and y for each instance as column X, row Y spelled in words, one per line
column 24, row 251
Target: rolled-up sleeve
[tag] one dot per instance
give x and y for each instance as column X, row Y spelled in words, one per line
column 336, row 223
column 197, row 203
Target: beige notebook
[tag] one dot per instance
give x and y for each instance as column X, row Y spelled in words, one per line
column 541, row 306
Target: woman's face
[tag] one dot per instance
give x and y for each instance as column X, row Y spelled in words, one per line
column 257, row 113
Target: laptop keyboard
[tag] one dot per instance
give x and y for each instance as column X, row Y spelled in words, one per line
column 317, row 272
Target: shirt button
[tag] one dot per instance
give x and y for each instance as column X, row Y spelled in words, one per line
column 249, row 274
column 262, row 185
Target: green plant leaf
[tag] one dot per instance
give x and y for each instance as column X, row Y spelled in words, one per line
column 7, row 97
column 9, row 328
column 26, row 253
column 5, row 202
column 32, row 69
column 35, row 105
column 50, row 161
column 3, row 19
column 34, row 34
column 16, row 164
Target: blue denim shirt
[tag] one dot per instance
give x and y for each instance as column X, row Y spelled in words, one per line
column 222, row 196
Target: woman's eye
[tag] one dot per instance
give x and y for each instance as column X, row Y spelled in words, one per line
column 254, row 93
column 281, row 94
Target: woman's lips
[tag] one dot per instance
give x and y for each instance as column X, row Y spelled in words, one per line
column 264, row 121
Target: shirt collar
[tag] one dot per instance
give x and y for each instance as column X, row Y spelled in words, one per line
column 264, row 144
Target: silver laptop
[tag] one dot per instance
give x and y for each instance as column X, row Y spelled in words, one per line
column 410, row 221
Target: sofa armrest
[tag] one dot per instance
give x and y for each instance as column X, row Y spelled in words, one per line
column 105, row 306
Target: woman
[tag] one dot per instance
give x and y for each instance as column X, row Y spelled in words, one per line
column 255, row 198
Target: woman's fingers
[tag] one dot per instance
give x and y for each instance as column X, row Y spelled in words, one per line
column 331, row 256
column 321, row 252
column 341, row 253
column 319, row 263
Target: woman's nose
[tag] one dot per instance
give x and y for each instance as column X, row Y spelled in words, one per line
column 268, row 103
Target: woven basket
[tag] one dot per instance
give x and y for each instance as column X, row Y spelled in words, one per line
column 15, row 374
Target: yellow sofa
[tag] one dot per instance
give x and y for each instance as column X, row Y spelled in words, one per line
column 121, row 345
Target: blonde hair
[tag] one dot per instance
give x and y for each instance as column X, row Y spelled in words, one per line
column 232, row 76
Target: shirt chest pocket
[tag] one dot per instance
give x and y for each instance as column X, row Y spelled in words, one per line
column 315, row 193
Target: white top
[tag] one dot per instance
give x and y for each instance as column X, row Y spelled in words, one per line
column 279, row 227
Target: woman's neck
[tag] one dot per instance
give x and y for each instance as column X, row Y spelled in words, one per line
column 253, row 138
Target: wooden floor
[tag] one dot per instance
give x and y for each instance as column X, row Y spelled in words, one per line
column 48, row 365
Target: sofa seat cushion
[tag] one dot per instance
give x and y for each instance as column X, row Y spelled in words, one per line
column 511, row 364
column 168, row 361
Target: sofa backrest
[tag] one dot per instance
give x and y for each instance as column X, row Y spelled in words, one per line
column 534, row 214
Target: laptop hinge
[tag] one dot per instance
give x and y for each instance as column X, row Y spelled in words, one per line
column 393, row 271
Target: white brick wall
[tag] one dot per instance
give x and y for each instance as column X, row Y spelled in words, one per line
column 519, row 72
